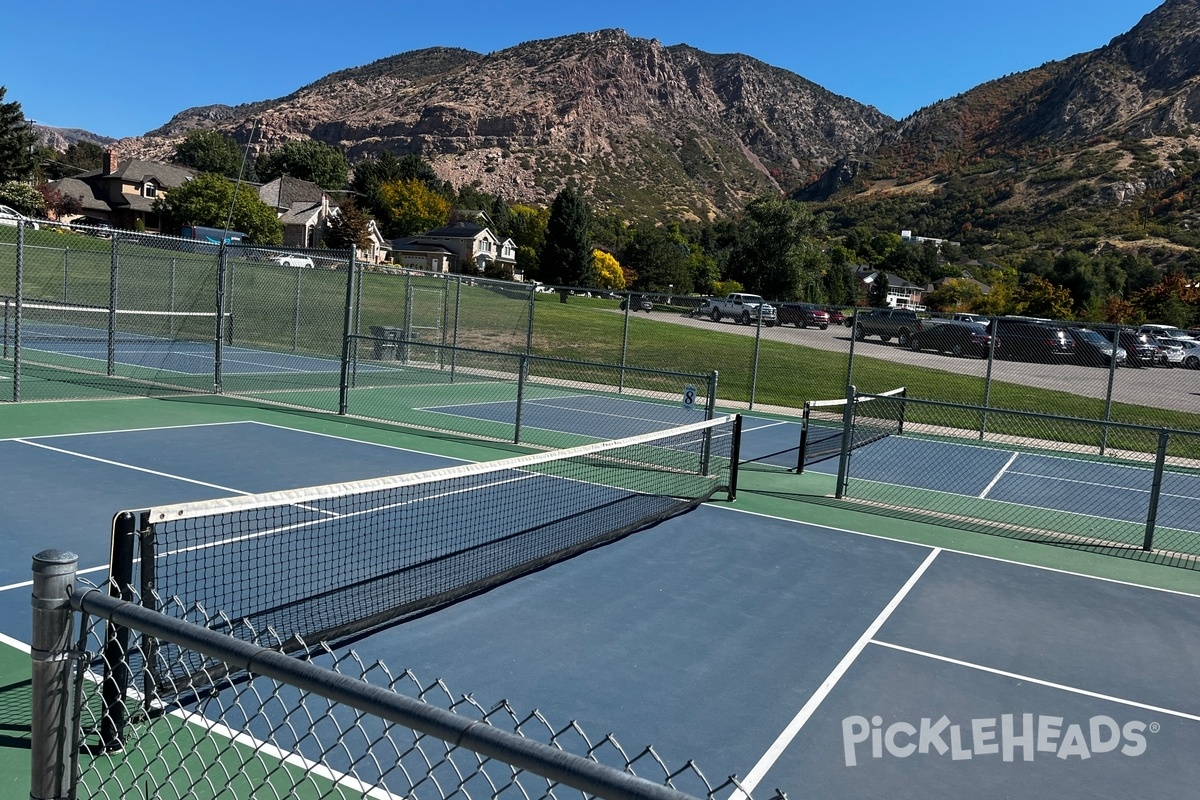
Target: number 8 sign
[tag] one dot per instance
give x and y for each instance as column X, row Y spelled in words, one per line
column 689, row 397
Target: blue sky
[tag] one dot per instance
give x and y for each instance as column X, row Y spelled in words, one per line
column 122, row 69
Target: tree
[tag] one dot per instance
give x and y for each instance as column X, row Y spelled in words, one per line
column 205, row 200
column 79, row 157
column 608, row 270
column 350, row 228
column 409, row 206
column 307, row 159
column 662, row 258
column 775, row 254
column 17, row 140
column 841, row 287
column 877, row 292
column 566, row 258
column 57, row 204
column 23, row 197
column 210, row 151
column 1038, row 297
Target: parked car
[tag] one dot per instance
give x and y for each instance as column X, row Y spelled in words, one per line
column 836, row 316
column 963, row 317
column 291, row 260
column 1167, row 331
column 10, row 216
column 637, row 302
column 1178, row 352
column 1027, row 339
column 1141, row 348
column 955, row 337
column 1092, row 349
column 802, row 315
column 92, row 226
column 886, row 323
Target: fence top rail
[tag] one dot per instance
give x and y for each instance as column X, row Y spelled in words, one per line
column 531, row 357
column 1031, row 414
column 542, row 759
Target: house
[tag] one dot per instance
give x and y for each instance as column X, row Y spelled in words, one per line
column 900, row 292
column 303, row 208
column 465, row 247
column 908, row 238
column 123, row 193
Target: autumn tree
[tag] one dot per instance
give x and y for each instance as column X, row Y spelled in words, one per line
column 409, row 206
column 776, row 254
column 1038, row 297
column 349, row 228
column 608, row 270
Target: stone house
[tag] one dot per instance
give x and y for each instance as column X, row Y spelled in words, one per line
column 122, row 193
column 465, row 247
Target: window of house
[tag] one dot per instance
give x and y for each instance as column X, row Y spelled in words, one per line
column 150, row 189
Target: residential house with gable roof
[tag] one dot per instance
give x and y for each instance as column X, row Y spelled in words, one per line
column 465, row 247
column 303, row 208
column 122, row 193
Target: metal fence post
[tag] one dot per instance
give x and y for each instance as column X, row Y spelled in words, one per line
column 1108, row 398
column 625, row 342
column 112, row 306
column 219, row 334
column 847, row 436
column 853, row 340
column 712, row 395
column 757, row 347
column 994, row 327
column 296, row 311
column 349, row 332
column 52, row 729
column 18, row 300
column 522, row 371
column 1160, row 460
column 66, row 272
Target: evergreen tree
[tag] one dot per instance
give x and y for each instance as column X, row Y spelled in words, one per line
column 351, row 227
column 307, row 159
column 878, row 291
column 16, row 142
column 566, row 258
column 209, row 151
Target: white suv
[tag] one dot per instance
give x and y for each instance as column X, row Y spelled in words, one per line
column 1167, row 332
column 10, row 216
column 285, row 260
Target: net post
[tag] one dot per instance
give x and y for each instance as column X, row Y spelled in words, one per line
column 735, row 456
column 805, row 417
column 1160, row 460
column 52, row 698
column 711, row 400
column 847, row 433
column 903, row 395
column 115, row 682
column 522, row 371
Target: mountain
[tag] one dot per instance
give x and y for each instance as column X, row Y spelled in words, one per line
column 61, row 138
column 643, row 128
column 1103, row 146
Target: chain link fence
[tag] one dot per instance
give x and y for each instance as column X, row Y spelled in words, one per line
column 1122, row 489
column 320, row 723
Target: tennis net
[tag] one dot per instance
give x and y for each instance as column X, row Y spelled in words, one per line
column 66, row 324
column 824, row 422
column 326, row 563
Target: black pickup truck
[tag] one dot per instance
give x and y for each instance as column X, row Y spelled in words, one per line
column 886, row 323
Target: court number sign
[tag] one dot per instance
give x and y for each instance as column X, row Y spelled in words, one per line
column 689, row 397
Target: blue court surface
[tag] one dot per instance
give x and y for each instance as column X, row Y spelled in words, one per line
column 818, row 661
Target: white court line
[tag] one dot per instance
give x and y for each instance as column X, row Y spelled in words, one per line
column 1115, row 487
column 123, row 465
column 764, row 427
column 1038, row 681
column 759, row 771
column 28, row 439
column 999, row 475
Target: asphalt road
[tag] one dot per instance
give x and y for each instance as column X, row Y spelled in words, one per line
column 1175, row 388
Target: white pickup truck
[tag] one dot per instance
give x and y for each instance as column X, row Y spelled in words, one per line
column 740, row 307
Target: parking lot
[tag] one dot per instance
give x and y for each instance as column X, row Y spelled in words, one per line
column 1158, row 387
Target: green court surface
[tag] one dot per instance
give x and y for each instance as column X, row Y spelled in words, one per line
column 804, row 498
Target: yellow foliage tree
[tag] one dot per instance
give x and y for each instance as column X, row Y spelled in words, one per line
column 611, row 275
column 412, row 207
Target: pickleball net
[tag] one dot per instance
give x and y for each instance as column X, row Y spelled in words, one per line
column 326, row 563
column 823, row 424
column 48, row 324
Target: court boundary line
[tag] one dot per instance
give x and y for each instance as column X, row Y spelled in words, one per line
column 996, row 479
column 1037, row 681
column 1012, row 503
column 25, row 439
column 792, row 729
column 954, row 551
